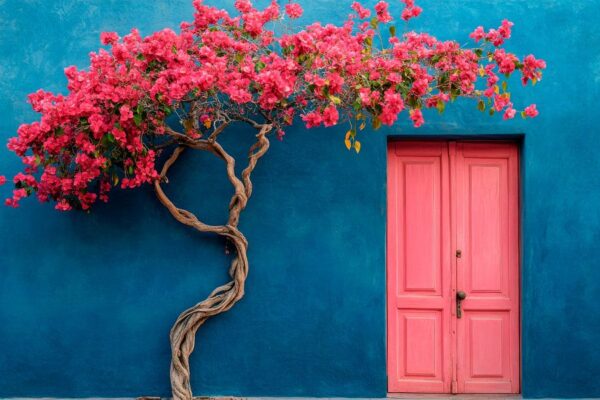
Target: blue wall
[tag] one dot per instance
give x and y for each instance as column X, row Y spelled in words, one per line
column 87, row 300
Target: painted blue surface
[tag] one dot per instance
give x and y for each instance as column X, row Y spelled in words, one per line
column 86, row 301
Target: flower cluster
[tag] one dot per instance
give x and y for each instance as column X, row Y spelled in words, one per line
column 110, row 127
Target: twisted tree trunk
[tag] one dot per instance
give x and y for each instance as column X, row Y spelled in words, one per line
column 183, row 333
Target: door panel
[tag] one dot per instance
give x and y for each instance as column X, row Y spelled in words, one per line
column 488, row 271
column 430, row 349
column 418, row 269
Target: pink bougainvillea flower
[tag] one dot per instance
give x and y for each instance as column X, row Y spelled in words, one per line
column 361, row 11
column 531, row 111
column 505, row 29
column 501, row 101
column 416, row 115
column 2, row 180
column 477, row 34
column 383, row 15
column 532, row 69
column 410, row 11
column 509, row 113
column 63, row 205
column 312, row 119
column 330, row 115
column 243, row 6
column 108, row 38
column 293, row 10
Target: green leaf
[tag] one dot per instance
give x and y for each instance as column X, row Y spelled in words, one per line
column 504, row 86
column 335, row 99
column 374, row 23
column 441, row 106
column 376, row 123
column 478, row 52
column 393, row 31
column 481, row 106
column 137, row 119
column 260, row 65
column 174, row 49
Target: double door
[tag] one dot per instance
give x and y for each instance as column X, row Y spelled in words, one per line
column 453, row 267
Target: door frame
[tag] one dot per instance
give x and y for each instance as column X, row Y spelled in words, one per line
column 517, row 140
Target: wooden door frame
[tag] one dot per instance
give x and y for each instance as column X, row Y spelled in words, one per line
column 516, row 139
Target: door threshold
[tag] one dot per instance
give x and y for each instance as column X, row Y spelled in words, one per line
column 449, row 396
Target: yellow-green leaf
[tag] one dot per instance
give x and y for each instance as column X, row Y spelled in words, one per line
column 481, row 105
column 348, row 143
column 393, row 30
column 374, row 23
column 357, row 146
column 188, row 124
column 441, row 106
column 362, row 126
column 504, row 86
column 335, row 99
column 376, row 123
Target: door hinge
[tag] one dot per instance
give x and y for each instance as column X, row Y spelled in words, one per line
column 458, row 253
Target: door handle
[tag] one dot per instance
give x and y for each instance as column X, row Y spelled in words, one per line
column 460, row 296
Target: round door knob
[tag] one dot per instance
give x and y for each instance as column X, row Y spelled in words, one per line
column 460, row 295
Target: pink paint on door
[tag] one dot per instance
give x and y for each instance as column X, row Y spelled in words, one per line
column 419, row 300
column 487, row 232
column 444, row 197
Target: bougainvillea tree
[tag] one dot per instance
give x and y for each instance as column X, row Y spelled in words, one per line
column 171, row 92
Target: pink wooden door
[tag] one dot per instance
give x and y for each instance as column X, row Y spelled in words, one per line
column 419, row 270
column 487, row 234
column 444, row 197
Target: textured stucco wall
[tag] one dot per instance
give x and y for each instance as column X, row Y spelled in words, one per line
column 86, row 301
